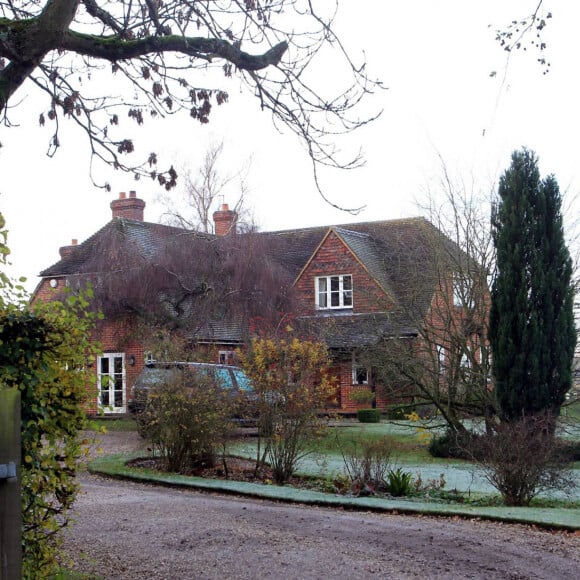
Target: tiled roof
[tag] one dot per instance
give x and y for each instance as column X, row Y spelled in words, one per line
column 352, row 331
column 403, row 256
column 368, row 252
column 139, row 239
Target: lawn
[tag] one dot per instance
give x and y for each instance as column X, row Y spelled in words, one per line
column 410, row 442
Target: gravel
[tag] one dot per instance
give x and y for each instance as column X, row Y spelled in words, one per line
column 127, row 530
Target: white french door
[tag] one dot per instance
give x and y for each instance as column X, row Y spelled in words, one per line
column 111, row 382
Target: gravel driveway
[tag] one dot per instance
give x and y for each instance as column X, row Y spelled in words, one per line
column 126, row 530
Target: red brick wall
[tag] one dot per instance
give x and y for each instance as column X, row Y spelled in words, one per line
column 113, row 336
column 444, row 315
column 342, row 370
column 44, row 292
column 334, row 258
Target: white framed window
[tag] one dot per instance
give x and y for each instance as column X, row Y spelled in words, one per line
column 111, row 382
column 462, row 290
column 361, row 375
column 333, row 292
column 466, row 360
column 227, row 357
column 440, row 359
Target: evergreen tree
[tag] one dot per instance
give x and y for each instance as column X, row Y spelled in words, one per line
column 532, row 331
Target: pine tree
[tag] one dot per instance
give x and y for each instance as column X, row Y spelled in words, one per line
column 532, row 331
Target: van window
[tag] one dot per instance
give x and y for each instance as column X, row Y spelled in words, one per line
column 242, row 380
column 223, row 378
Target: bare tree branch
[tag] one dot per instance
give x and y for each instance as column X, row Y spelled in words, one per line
column 166, row 56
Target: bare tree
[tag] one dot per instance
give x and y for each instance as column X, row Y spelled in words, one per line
column 525, row 33
column 100, row 63
column 522, row 459
column 191, row 284
column 445, row 360
column 204, row 191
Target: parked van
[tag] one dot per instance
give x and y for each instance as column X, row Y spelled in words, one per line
column 230, row 378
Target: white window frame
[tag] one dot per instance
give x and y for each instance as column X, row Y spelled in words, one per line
column 324, row 295
column 356, row 368
column 104, row 379
column 227, row 357
column 440, row 359
column 466, row 361
column 463, row 287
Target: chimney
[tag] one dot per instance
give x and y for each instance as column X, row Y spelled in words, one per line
column 225, row 221
column 131, row 208
column 67, row 250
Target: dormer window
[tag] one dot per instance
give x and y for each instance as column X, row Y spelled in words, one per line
column 334, row 292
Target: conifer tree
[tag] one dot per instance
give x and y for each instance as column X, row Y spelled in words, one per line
column 532, row 331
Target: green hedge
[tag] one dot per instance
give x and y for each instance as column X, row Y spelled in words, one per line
column 368, row 415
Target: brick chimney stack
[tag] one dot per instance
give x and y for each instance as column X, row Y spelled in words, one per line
column 64, row 251
column 131, row 208
column 225, row 221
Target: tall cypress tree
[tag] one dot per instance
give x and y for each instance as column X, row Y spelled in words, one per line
column 532, row 331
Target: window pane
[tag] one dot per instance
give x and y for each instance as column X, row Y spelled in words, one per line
column 224, row 379
column 347, row 282
column 361, row 376
column 104, row 365
column 335, row 299
column 347, row 298
column 322, row 298
column 118, row 364
column 334, row 283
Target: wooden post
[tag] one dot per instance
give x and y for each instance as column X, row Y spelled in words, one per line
column 10, row 509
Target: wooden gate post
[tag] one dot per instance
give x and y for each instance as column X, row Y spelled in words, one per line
column 10, row 508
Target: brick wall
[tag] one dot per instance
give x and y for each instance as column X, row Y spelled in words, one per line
column 119, row 336
column 44, row 292
column 334, row 258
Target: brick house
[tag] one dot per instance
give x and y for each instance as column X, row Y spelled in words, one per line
column 352, row 286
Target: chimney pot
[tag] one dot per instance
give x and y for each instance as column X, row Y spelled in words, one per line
column 225, row 221
column 129, row 208
column 74, row 242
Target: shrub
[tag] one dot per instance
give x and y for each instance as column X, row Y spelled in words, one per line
column 398, row 413
column 367, row 463
column 569, row 450
column 399, row 483
column 362, row 396
column 453, row 444
column 523, row 458
column 292, row 385
column 368, row 416
column 187, row 419
column 45, row 354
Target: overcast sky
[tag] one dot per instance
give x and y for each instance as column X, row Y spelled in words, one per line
column 436, row 59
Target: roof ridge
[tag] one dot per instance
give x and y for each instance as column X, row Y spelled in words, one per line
column 347, row 226
column 351, row 232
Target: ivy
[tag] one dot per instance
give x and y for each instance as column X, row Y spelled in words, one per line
column 45, row 353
